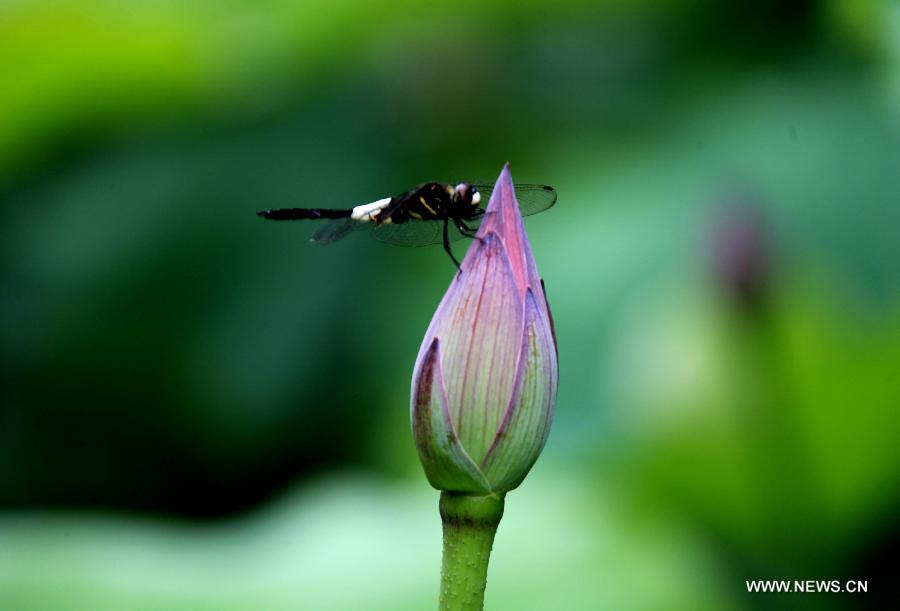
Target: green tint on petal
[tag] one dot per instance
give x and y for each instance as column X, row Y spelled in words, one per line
column 446, row 463
column 526, row 423
column 480, row 328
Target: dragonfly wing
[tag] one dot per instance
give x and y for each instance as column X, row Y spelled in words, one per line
column 415, row 233
column 336, row 229
column 532, row 198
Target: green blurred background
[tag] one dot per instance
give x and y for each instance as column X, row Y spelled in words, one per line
column 202, row 412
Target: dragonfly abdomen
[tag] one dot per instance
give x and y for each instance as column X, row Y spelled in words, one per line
column 293, row 214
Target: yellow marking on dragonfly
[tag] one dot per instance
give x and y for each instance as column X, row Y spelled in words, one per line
column 415, row 215
column 427, row 207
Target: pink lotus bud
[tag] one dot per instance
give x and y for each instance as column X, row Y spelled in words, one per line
column 485, row 380
column 742, row 253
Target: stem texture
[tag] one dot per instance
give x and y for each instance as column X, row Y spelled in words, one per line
column 470, row 523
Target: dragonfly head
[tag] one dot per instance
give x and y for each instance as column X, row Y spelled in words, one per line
column 467, row 194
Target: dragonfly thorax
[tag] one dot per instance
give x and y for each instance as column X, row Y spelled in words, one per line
column 431, row 201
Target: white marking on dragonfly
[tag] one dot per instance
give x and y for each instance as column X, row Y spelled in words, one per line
column 476, row 198
column 367, row 212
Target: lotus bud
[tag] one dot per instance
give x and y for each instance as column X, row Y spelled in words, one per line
column 742, row 251
column 484, row 384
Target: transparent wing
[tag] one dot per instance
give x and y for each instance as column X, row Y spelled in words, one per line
column 415, row 233
column 532, row 198
column 337, row 229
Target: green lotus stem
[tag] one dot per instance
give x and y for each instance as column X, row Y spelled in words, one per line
column 470, row 523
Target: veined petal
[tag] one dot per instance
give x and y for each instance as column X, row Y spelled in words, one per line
column 526, row 424
column 480, row 327
column 447, row 465
column 502, row 218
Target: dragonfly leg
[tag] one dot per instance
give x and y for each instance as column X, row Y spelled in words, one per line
column 447, row 243
column 463, row 228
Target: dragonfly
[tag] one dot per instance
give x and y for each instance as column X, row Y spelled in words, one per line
column 431, row 213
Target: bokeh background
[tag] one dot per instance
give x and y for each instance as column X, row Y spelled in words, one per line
column 200, row 411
